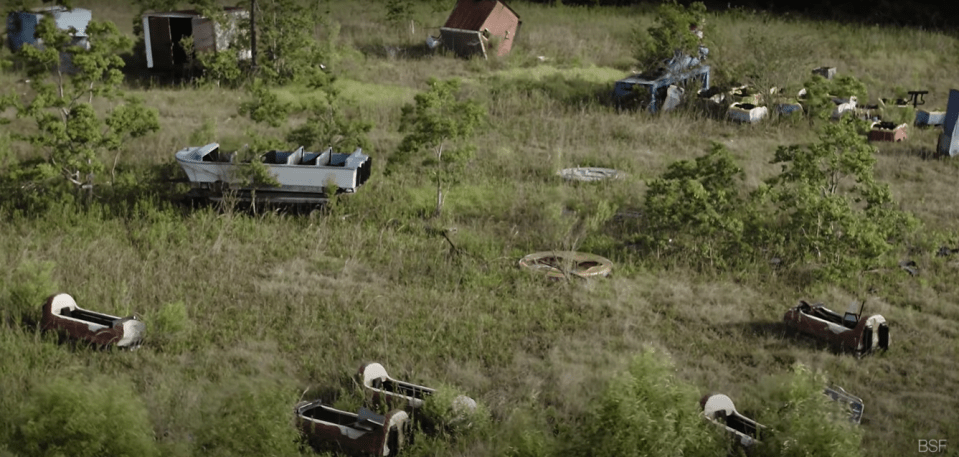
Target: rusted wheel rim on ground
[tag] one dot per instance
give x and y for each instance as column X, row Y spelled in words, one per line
column 589, row 173
column 557, row 264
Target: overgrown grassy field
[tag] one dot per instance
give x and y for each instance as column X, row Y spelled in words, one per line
column 279, row 304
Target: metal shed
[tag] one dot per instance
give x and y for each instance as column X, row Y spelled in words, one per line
column 162, row 33
column 476, row 26
column 22, row 25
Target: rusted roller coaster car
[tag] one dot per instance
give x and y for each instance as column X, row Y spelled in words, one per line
column 385, row 388
column 363, row 433
column 61, row 314
column 720, row 410
column 852, row 331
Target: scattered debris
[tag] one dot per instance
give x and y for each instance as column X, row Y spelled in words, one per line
column 363, row 433
column 720, row 410
column 789, row 108
column 747, row 112
column 303, row 176
column 887, row 131
column 561, row 264
column 852, row 331
column 945, row 251
column 590, row 174
column 825, row 72
column 650, row 90
column 843, row 106
column 910, row 267
column 854, row 403
column 61, row 314
column 474, row 26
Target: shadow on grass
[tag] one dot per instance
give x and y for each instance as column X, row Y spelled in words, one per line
column 401, row 52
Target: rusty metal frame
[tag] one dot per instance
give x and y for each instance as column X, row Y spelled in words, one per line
column 361, row 433
column 62, row 315
column 852, row 331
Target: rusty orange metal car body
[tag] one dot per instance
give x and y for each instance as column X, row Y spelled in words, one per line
column 61, row 314
column 852, row 331
column 362, row 433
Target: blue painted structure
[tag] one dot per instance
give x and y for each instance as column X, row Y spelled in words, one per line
column 680, row 70
column 22, row 25
column 949, row 139
column 929, row 118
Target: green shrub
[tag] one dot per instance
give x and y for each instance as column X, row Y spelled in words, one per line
column 449, row 411
column 802, row 421
column 77, row 417
column 249, row 419
column 23, row 296
column 171, row 326
column 648, row 412
column 526, row 436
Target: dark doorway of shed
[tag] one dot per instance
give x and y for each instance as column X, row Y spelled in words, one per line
column 180, row 27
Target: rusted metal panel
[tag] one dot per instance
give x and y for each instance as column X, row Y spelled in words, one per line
column 204, row 35
column 887, row 131
column 501, row 26
column 364, row 432
column 470, row 14
column 494, row 21
column 851, row 331
column 61, row 314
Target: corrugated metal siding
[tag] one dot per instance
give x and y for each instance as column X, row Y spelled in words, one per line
column 470, row 14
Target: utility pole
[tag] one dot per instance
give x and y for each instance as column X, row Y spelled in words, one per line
column 253, row 34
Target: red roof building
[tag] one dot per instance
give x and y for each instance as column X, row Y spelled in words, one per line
column 481, row 27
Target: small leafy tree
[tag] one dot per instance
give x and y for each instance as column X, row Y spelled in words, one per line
column 828, row 204
column 646, row 411
column 671, row 35
column 80, row 417
column 327, row 123
column 248, row 417
column 31, row 282
column 64, row 81
column 286, row 47
column 697, row 207
column 802, row 421
column 443, row 125
column 821, row 91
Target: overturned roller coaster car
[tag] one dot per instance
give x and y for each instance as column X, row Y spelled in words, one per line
column 720, row 410
column 851, row 331
column 61, row 314
column 304, row 177
column 363, row 433
column 375, row 379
